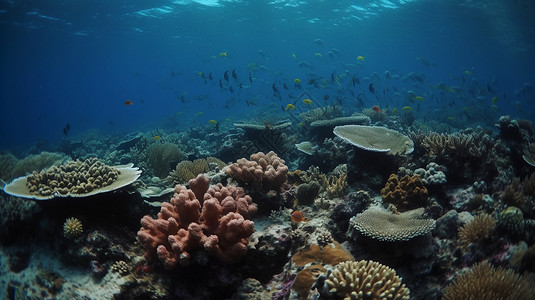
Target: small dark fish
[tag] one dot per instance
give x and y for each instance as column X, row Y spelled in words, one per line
column 210, row 76
column 359, row 98
column 332, row 77
column 285, row 86
column 325, row 97
column 275, row 90
column 226, row 75
column 370, row 87
column 250, row 78
column 231, row 89
column 234, row 75
column 220, row 83
column 68, row 126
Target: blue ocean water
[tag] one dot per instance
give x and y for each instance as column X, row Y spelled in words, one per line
column 77, row 62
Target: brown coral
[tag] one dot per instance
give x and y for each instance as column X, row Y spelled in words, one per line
column 382, row 225
column 405, row 193
column 486, row 282
column 476, row 230
column 330, row 254
column 366, row 280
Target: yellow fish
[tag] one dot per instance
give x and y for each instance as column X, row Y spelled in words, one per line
column 294, row 56
column 395, row 110
column 199, row 113
column 200, row 74
column 223, row 54
column 300, row 124
column 451, row 118
column 467, row 72
column 290, row 107
column 307, row 101
column 419, row 98
column 318, row 55
column 212, row 121
column 361, row 58
column 406, row 108
column 157, row 137
column 297, row 81
column 494, row 100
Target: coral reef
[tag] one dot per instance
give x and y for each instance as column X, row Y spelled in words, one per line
column 511, row 221
column 483, row 281
column 7, row 163
column 405, row 193
column 161, row 155
column 366, row 280
column 37, row 162
column 265, row 170
column 383, row 225
column 375, row 138
column 529, row 154
column 200, row 217
column 72, row 228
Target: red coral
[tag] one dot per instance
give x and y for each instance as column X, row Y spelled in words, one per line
column 184, row 224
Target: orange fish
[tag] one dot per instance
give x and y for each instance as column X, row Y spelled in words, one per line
column 267, row 124
column 376, row 108
column 298, row 217
column 128, row 102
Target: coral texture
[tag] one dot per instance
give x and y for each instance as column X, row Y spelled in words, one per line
column 200, row 217
column 73, row 179
column 405, row 193
column 186, row 170
column 382, row 225
column 477, row 230
column 72, row 228
column 366, row 280
column 161, row 155
column 375, row 138
column 485, row 282
column 432, row 174
column 267, row 170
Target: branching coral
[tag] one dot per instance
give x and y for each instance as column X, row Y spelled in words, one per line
column 476, row 230
column 405, row 193
column 366, row 280
column 335, row 185
column 211, row 218
column 382, row 225
column 486, row 282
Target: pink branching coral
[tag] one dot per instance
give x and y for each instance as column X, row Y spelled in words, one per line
column 267, row 170
column 200, row 217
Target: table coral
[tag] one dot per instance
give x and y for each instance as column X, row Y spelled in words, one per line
column 267, row 170
column 200, row 217
column 406, row 193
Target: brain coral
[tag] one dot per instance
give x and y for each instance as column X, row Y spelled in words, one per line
column 405, row 193
column 267, row 170
column 485, row 282
column 366, row 280
column 382, row 225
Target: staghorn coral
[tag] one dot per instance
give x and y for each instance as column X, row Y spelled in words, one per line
column 382, row 225
column 161, row 155
column 405, row 193
column 335, row 185
column 212, row 218
column 366, row 280
column 266, row 170
column 476, row 230
column 375, row 138
column 72, row 228
column 483, row 281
